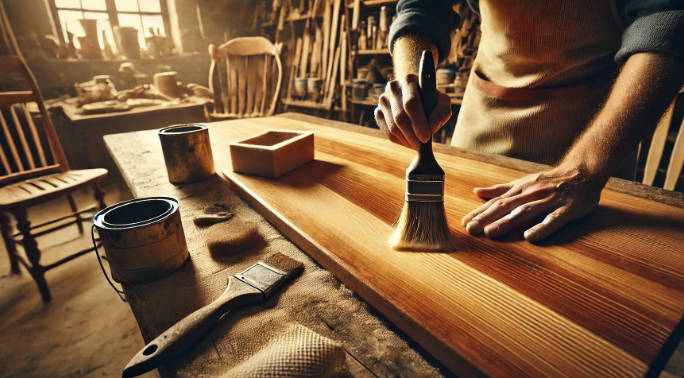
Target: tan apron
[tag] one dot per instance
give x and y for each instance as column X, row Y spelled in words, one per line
column 542, row 71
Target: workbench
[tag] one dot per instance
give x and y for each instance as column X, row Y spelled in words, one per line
column 81, row 134
column 605, row 296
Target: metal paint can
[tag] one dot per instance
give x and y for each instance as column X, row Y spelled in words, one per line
column 187, row 152
column 143, row 238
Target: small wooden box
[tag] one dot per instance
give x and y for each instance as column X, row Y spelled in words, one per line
column 273, row 153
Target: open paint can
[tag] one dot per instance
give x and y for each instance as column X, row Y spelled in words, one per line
column 187, row 152
column 143, row 238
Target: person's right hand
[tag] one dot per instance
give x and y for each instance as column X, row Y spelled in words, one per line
column 400, row 113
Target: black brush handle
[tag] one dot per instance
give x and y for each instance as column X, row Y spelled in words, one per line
column 425, row 162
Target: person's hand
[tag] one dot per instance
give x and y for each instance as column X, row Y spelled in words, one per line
column 557, row 196
column 400, row 113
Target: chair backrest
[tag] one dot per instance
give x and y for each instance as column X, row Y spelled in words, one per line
column 241, row 77
column 24, row 151
column 657, row 148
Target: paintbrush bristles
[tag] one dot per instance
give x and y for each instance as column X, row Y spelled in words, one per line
column 422, row 226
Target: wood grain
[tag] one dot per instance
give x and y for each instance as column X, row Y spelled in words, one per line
column 600, row 298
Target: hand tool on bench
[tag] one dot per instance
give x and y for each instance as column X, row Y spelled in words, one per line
column 253, row 286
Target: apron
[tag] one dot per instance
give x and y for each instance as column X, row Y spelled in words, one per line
column 542, row 71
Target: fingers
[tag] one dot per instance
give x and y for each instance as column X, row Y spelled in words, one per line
column 399, row 114
column 499, row 208
column 520, row 216
column 510, row 192
column 384, row 119
column 492, row 191
column 413, row 106
column 440, row 114
column 555, row 220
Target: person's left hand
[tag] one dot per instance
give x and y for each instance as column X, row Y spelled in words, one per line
column 558, row 196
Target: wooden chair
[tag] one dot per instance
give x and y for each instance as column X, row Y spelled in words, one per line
column 34, row 169
column 657, row 147
column 241, row 79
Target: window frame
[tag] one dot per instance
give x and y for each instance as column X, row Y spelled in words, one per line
column 112, row 14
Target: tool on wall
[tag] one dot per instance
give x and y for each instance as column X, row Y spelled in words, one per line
column 422, row 224
column 253, row 286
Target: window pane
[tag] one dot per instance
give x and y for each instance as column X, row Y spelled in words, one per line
column 102, row 25
column 149, row 6
column 94, row 5
column 154, row 22
column 68, row 3
column 126, row 5
column 128, row 19
column 69, row 20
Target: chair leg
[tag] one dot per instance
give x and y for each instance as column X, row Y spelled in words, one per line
column 74, row 209
column 32, row 253
column 99, row 195
column 9, row 243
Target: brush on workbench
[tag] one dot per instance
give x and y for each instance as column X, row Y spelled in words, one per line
column 422, row 224
column 253, row 286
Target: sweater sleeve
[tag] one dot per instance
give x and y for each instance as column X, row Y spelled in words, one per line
column 652, row 26
column 433, row 19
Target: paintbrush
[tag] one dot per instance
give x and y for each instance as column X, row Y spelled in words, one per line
column 422, row 224
column 253, row 286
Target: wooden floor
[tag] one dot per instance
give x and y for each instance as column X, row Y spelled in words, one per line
column 86, row 330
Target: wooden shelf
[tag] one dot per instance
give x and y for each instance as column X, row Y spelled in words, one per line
column 366, row 102
column 369, row 102
column 307, row 104
column 372, row 52
column 374, row 3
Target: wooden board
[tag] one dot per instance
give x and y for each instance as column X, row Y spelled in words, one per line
column 601, row 298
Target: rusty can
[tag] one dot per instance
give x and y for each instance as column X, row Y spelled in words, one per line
column 143, row 238
column 187, row 152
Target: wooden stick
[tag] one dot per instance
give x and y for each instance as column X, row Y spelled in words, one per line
column 333, row 31
column 295, row 63
column 326, row 36
column 355, row 15
column 343, row 67
column 331, row 86
column 305, row 54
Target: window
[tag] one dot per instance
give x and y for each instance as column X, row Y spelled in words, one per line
column 148, row 16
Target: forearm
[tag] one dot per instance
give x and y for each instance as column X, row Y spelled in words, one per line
column 406, row 54
column 644, row 88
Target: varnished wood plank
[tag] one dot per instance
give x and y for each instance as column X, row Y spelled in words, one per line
column 599, row 298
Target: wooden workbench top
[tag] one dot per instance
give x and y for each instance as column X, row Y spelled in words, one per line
column 602, row 297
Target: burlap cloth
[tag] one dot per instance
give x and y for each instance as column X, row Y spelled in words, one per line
column 298, row 352
column 316, row 300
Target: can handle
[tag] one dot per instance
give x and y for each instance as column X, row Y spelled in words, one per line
column 99, row 260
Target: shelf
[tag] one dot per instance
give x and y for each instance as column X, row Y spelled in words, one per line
column 373, row 3
column 307, row 104
column 369, row 102
column 372, row 52
column 365, row 102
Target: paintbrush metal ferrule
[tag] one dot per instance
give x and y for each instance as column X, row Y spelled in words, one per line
column 425, row 188
column 263, row 277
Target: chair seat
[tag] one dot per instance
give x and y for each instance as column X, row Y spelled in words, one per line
column 46, row 187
